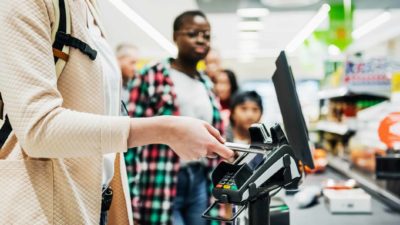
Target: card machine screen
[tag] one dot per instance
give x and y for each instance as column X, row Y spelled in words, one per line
column 252, row 157
column 257, row 160
column 253, row 160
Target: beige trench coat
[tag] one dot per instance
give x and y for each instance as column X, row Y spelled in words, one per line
column 60, row 131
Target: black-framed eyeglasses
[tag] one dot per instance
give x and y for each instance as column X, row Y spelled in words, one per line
column 195, row 33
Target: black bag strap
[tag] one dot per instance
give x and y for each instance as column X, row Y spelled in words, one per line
column 5, row 131
column 63, row 25
column 67, row 39
column 1, row 107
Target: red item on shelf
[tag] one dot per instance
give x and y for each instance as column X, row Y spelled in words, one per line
column 389, row 129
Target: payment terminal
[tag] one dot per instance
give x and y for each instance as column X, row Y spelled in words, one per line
column 269, row 162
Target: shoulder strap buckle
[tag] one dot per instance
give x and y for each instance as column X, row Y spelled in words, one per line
column 71, row 41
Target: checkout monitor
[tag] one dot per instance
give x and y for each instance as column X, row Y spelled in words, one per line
column 293, row 120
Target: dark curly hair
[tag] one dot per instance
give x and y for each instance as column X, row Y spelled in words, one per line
column 178, row 22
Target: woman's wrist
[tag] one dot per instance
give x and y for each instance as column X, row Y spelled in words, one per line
column 189, row 138
column 152, row 130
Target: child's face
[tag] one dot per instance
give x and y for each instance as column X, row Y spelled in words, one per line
column 245, row 114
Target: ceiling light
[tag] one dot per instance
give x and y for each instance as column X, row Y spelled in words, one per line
column 258, row 53
column 347, row 6
column 248, row 45
column 251, row 25
column 145, row 26
column 252, row 12
column 371, row 25
column 251, row 9
column 317, row 19
column 249, row 35
column 288, row 3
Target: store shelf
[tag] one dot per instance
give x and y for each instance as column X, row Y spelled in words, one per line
column 366, row 181
column 332, row 93
column 334, row 127
column 344, row 92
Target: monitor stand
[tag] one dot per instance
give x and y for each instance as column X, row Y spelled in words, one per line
column 258, row 210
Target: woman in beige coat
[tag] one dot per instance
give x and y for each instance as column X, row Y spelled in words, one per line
column 51, row 165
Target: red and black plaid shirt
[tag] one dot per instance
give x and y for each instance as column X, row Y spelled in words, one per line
column 153, row 169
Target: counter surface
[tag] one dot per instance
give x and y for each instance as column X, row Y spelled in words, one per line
column 319, row 214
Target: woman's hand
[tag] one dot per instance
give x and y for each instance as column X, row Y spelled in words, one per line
column 190, row 138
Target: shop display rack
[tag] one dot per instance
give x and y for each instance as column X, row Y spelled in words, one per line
column 334, row 127
column 350, row 90
column 348, row 93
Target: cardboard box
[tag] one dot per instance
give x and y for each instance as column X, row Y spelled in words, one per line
column 347, row 201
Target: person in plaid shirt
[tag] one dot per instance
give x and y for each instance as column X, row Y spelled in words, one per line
column 164, row 189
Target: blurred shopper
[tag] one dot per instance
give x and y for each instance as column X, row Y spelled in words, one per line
column 127, row 56
column 168, row 190
column 65, row 124
column 213, row 64
column 246, row 109
column 225, row 87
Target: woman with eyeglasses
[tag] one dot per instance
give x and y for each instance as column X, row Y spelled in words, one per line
column 168, row 190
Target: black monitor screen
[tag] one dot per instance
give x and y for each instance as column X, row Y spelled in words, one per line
column 292, row 115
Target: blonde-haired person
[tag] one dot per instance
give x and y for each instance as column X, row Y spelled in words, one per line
column 127, row 56
column 66, row 131
column 213, row 64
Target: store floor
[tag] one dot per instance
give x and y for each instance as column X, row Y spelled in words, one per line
column 319, row 214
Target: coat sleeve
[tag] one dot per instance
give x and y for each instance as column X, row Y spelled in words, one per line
column 33, row 103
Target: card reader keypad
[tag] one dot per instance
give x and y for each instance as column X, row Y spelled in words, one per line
column 227, row 182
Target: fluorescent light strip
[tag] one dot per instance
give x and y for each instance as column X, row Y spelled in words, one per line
column 252, row 12
column 260, row 53
column 371, row 25
column 249, row 35
column 347, row 6
column 248, row 45
column 288, row 3
column 145, row 26
column 251, row 25
column 317, row 19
